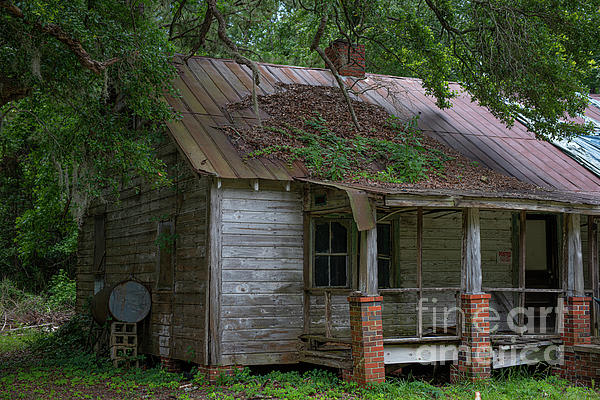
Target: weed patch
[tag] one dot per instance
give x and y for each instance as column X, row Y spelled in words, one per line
column 57, row 366
column 19, row 309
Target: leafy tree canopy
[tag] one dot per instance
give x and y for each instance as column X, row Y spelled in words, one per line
column 81, row 81
column 80, row 88
column 527, row 57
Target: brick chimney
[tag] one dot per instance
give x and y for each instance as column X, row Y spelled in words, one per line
column 348, row 60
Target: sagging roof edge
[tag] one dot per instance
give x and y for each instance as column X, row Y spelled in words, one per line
column 362, row 210
column 508, row 204
column 365, row 218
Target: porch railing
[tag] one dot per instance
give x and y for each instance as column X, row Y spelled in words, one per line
column 326, row 293
column 419, row 322
column 420, row 337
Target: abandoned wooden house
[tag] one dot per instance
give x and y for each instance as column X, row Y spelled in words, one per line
column 260, row 264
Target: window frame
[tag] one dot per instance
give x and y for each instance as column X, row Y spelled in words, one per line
column 346, row 223
column 165, row 266
column 99, row 263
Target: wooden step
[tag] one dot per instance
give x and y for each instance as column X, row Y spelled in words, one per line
column 327, row 359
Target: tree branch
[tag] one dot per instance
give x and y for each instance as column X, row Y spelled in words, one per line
column 237, row 56
column 59, row 34
column 442, row 20
column 175, row 17
column 202, row 32
column 315, row 47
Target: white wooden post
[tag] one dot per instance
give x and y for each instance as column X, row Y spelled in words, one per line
column 593, row 267
column 573, row 257
column 368, row 284
column 471, row 252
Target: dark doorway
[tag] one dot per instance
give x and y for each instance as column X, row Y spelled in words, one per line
column 541, row 267
column 541, row 252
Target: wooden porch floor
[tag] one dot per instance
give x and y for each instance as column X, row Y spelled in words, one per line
column 508, row 350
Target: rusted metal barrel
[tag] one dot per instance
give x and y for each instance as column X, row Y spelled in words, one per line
column 128, row 301
column 99, row 304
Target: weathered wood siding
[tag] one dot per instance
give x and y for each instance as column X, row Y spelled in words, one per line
column 176, row 325
column 261, row 273
column 497, row 235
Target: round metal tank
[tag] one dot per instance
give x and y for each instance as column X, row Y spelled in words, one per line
column 99, row 305
column 129, row 301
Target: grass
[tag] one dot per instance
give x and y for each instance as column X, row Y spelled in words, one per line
column 12, row 342
column 104, row 382
column 56, row 366
column 322, row 384
column 94, row 381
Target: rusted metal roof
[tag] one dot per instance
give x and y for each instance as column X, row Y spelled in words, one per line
column 207, row 85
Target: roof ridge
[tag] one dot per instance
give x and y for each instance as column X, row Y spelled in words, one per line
column 306, row 68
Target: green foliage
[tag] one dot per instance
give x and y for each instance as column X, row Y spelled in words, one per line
column 64, row 370
column 323, row 384
column 77, row 135
column 17, row 306
column 68, row 343
column 18, row 341
column 62, row 291
column 166, row 241
column 330, row 156
column 23, row 314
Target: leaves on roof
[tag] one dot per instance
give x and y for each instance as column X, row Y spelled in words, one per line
column 312, row 124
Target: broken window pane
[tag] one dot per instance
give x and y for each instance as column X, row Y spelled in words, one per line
column 383, row 239
column 384, row 252
column 383, row 273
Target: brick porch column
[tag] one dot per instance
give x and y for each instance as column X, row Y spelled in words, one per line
column 475, row 350
column 367, row 340
column 576, row 331
column 213, row 372
column 170, row 364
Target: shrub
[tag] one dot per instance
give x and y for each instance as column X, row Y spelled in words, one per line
column 62, row 291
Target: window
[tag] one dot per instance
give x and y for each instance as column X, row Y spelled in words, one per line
column 99, row 252
column 330, row 253
column 384, row 254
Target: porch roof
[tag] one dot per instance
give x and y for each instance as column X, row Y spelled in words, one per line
column 392, row 197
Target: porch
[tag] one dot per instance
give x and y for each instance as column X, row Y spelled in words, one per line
column 453, row 282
